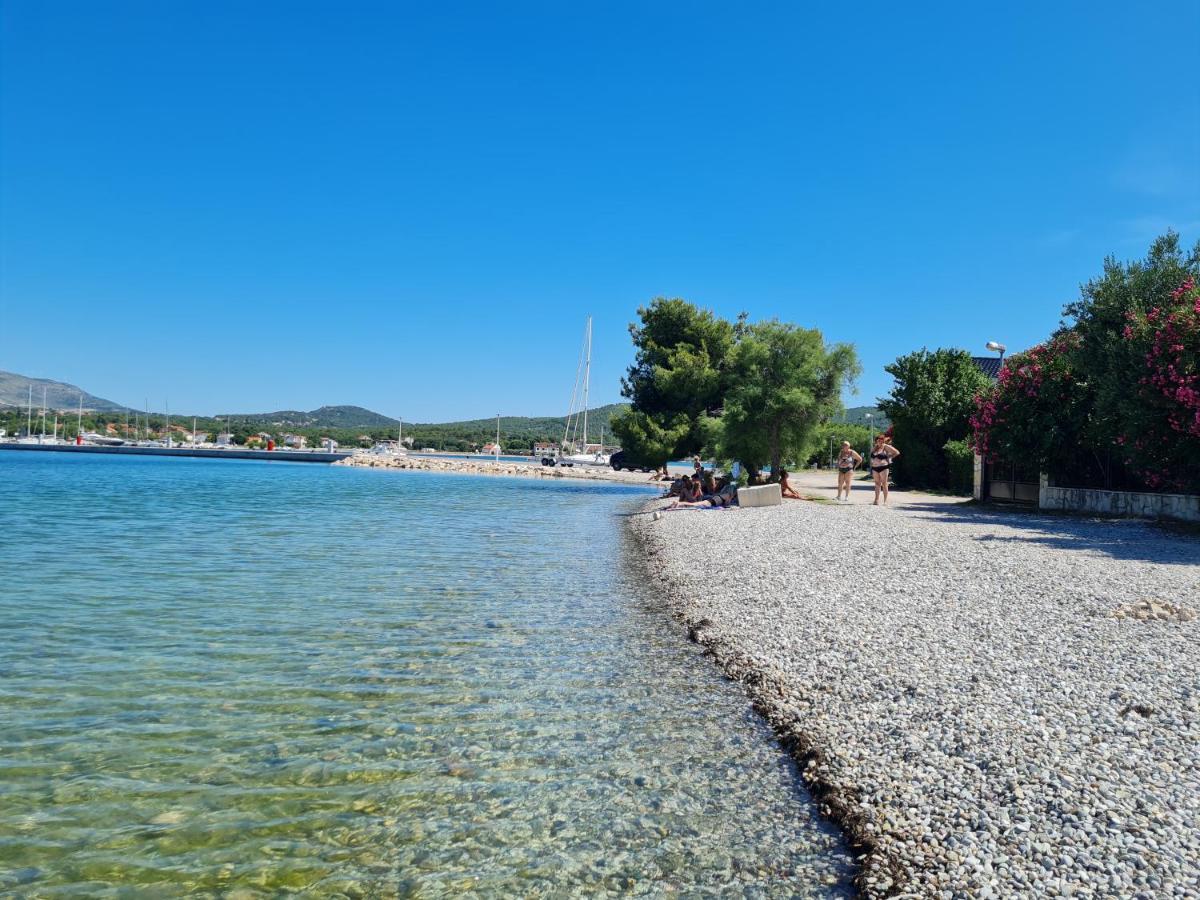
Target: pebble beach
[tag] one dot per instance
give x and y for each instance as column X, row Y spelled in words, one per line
column 990, row 703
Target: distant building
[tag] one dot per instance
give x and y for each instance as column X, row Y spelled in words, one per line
column 224, row 439
column 198, row 437
column 329, row 444
column 490, row 449
column 298, row 441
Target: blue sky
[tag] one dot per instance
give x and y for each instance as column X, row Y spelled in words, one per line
column 254, row 206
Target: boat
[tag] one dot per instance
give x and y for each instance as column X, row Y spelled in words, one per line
column 102, row 440
column 575, row 449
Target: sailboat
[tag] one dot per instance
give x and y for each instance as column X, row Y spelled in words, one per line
column 576, row 451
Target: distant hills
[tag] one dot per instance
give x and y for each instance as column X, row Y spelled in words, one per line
column 857, row 415
column 324, row 417
column 14, row 391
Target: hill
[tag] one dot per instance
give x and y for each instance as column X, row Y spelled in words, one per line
column 324, row 417
column 14, row 391
column 857, row 415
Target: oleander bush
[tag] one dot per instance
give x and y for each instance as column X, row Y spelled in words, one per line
column 1113, row 398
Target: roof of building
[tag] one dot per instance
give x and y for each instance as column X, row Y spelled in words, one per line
column 988, row 365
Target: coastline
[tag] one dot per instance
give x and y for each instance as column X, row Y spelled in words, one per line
column 971, row 695
column 500, row 469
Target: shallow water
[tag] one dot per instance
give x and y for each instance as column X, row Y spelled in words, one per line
column 222, row 677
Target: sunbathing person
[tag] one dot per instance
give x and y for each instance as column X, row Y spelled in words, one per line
column 785, row 487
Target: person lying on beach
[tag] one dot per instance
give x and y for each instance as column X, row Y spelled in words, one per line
column 785, row 487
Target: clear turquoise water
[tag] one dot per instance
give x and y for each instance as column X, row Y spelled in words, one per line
column 223, row 678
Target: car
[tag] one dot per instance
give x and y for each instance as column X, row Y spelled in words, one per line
column 620, row 460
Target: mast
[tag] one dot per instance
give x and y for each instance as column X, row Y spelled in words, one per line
column 496, row 446
column 43, row 414
column 79, row 421
column 587, row 377
column 29, row 417
column 193, row 431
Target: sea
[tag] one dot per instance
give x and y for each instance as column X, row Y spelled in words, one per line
column 225, row 678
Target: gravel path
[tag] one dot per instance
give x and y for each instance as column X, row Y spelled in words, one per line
column 959, row 690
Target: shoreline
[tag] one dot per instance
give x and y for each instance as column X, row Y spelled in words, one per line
column 501, row 469
column 982, row 703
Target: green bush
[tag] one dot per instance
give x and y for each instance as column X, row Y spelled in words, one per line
column 960, row 466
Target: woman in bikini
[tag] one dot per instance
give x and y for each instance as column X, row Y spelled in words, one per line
column 881, row 463
column 847, row 462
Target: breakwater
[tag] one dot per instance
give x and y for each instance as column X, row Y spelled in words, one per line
column 466, row 466
column 311, row 456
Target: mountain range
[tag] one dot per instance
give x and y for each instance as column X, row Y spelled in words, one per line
column 15, row 391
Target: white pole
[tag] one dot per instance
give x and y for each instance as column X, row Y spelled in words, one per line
column 43, row 414
column 79, row 422
column 193, row 431
column 29, row 417
column 496, row 448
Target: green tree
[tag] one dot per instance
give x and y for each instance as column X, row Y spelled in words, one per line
column 931, row 403
column 677, row 381
column 783, row 382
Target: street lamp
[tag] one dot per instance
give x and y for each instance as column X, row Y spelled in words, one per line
column 871, row 427
column 997, row 348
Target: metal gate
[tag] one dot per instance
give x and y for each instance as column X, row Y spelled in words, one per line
column 1011, row 482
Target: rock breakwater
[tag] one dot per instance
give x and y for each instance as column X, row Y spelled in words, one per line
column 486, row 467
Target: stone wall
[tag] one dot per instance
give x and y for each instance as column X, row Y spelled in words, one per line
column 1180, row 507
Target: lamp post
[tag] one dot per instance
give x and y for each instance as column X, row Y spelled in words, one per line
column 871, row 428
column 996, row 347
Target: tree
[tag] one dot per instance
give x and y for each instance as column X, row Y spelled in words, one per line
column 677, row 381
column 931, row 403
column 783, row 382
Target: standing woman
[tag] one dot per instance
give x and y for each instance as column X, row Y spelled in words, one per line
column 881, row 462
column 848, row 460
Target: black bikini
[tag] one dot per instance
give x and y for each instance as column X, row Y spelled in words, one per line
column 884, row 456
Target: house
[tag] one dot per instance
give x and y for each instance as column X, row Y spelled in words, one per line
column 490, row 449
column 224, row 439
column 295, row 441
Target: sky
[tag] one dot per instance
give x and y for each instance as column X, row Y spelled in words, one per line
column 242, row 207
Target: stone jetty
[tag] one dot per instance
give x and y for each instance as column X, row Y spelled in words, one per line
column 467, row 466
column 991, row 704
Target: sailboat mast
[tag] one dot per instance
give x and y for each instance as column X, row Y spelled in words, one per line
column 29, row 417
column 43, row 414
column 79, row 421
column 587, row 378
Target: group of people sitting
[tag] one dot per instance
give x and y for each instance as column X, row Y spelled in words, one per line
column 704, row 489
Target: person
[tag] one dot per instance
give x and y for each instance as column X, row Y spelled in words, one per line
column 881, row 463
column 725, row 495
column 689, row 490
column 697, row 467
column 848, row 460
column 785, row 487
column 708, row 486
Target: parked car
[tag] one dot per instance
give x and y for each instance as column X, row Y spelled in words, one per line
column 621, row 461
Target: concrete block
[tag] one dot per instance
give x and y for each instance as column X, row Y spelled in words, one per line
column 762, row 495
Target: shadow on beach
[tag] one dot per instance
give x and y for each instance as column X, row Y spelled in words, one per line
column 1125, row 539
